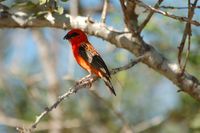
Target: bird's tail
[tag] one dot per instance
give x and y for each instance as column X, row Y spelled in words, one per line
column 109, row 84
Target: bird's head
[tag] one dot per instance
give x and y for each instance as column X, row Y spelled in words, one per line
column 76, row 36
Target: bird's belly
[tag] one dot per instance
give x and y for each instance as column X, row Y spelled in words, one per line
column 84, row 64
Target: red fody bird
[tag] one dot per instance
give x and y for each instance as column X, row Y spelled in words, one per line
column 87, row 57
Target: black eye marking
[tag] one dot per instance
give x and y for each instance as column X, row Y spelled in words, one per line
column 69, row 36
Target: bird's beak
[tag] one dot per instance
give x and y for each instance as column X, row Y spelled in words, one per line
column 66, row 37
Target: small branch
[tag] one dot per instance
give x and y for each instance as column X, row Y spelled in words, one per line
column 187, row 33
column 129, row 65
column 130, row 16
column 104, row 11
column 182, row 19
column 74, row 4
column 187, row 52
column 83, row 83
column 184, row 37
column 149, row 16
column 60, row 99
column 182, row 44
column 48, row 64
column 179, row 8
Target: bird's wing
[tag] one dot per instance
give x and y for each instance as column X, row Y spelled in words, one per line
column 89, row 54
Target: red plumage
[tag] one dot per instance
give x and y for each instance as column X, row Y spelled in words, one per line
column 87, row 57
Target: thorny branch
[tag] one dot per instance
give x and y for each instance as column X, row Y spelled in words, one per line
column 83, row 83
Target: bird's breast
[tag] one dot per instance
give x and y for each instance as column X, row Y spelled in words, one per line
column 82, row 62
column 85, row 64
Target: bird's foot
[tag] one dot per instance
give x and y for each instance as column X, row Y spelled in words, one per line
column 89, row 85
column 90, row 80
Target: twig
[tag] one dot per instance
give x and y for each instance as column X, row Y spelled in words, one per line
column 182, row 19
column 187, row 33
column 149, row 16
column 174, row 7
column 129, row 65
column 49, row 68
column 187, row 52
column 84, row 82
column 74, row 4
column 130, row 16
column 47, row 110
column 104, row 11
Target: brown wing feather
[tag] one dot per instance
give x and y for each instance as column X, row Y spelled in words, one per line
column 89, row 54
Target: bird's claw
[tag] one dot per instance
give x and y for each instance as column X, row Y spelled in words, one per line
column 89, row 84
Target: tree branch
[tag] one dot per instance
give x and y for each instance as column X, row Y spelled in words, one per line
column 136, row 45
column 182, row 19
column 83, row 83
column 187, row 33
column 149, row 16
column 130, row 16
column 178, row 8
column 49, row 68
column 104, row 11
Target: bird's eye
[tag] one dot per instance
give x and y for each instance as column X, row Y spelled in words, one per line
column 74, row 35
column 70, row 36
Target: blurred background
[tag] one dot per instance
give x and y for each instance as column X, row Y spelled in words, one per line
column 37, row 66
